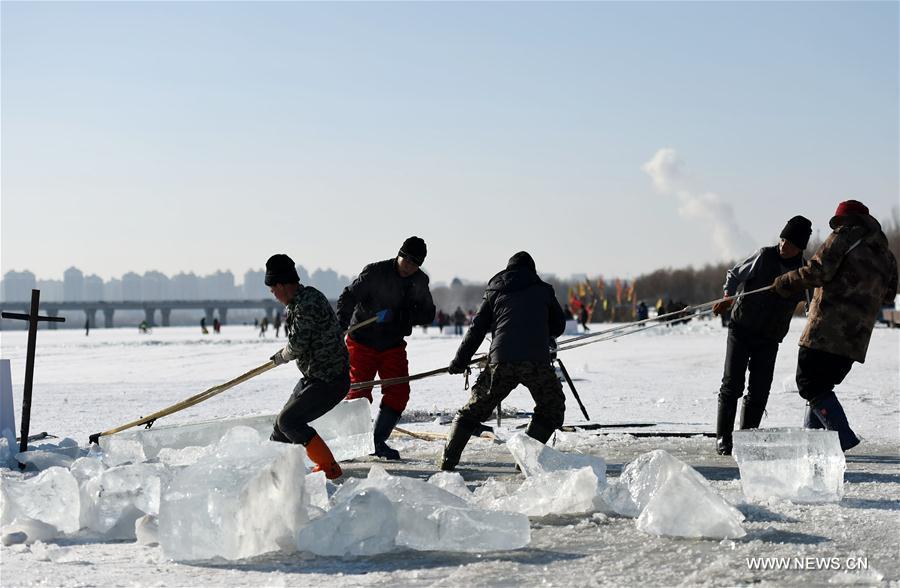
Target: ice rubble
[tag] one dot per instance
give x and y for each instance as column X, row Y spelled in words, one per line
column 801, row 465
column 347, row 429
column 383, row 512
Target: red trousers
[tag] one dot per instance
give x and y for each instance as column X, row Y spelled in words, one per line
column 366, row 362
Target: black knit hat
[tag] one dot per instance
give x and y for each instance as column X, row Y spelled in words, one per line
column 521, row 260
column 797, row 231
column 280, row 269
column 414, row 250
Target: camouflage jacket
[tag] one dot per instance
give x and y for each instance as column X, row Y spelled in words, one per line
column 854, row 273
column 315, row 339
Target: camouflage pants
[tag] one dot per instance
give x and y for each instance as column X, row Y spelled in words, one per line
column 496, row 382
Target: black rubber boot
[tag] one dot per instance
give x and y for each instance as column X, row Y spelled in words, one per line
column 725, row 424
column 460, row 432
column 539, row 430
column 751, row 414
column 385, row 422
column 810, row 420
column 831, row 414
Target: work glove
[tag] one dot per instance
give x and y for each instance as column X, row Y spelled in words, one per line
column 456, row 367
column 384, row 316
column 282, row 357
column 780, row 287
column 722, row 306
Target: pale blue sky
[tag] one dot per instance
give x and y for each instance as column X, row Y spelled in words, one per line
column 198, row 136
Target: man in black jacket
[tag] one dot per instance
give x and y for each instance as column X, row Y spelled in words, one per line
column 399, row 287
column 758, row 324
column 523, row 314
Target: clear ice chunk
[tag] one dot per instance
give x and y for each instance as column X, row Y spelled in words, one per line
column 535, row 457
column 673, row 499
column 430, row 518
column 553, row 493
column 245, row 498
column 115, row 499
column 453, row 483
column 51, row 497
column 347, row 429
column 365, row 523
column 800, row 465
column 146, row 530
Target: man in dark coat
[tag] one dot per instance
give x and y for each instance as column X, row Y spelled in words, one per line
column 853, row 273
column 758, row 324
column 398, row 286
column 522, row 313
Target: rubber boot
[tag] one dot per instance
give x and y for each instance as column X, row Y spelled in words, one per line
column 831, row 414
column 320, row 455
column 810, row 420
column 725, row 424
column 539, row 430
column 385, row 422
column 751, row 414
column 460, row 432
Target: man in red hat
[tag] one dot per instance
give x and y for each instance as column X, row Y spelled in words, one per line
column 397, row 291
column 854, row 274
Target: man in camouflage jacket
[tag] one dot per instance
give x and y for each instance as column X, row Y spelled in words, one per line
column 522, row 313
column 316, row 342
column 854, row 274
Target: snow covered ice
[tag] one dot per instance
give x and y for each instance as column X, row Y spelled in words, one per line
column 801, row 465
column 347, row 429
column 245, row 498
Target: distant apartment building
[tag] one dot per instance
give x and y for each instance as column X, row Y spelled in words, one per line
column 93, row 288
column 73, row 285
column 131, row 287
column 17, row 286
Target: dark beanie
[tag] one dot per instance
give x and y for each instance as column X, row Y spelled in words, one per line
column 414, row 250
column 797, row 231
column 521, row 260
column 280, row 269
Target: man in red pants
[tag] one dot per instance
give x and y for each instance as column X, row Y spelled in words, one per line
column 397, row 286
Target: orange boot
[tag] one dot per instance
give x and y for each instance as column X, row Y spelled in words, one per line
column 319, row 453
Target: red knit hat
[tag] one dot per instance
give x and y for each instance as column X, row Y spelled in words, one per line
column 846, row 208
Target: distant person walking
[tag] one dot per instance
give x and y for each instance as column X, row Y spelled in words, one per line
column 642, row 311
column 316, row 342
column 263, row 326
column 853, row 273
column 217, row 326
column 459, row 319
column 277, row 324
column 87, row 327
column 584, row 317
column 203, row 328
column 758, row 325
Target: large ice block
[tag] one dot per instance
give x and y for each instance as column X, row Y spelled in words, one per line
column 554, row 492
column 674, row 499
column 51, row 497
column 347, row 429
column 682, row 507
column 113, row 500
column 801, row 465
column 534, row 458
column 430, row 518
column 244, row 498
column 363, row 524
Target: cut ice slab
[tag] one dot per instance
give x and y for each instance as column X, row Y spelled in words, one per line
column 347, row 429
column 673, row 499
column 382, row 512
column 801, row 465
column 536, row 458
column 51, row 497
column 552, row 493
column 245, row 498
